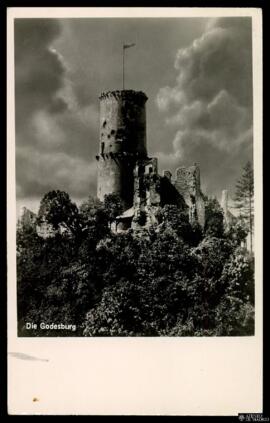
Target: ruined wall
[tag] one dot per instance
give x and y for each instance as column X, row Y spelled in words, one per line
column 28, row 218
column 122, row 142
column 45, row 230
column 224, row 201
column 187, row 182
column 229, row 218
column 152, row 192
column 169, row 194
column 147, row 199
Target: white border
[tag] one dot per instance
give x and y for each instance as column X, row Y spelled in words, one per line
column 133, row 376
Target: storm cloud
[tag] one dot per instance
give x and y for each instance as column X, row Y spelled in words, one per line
column 210, row 106
column 39, row 70
column 52, row 131
column 196, row 72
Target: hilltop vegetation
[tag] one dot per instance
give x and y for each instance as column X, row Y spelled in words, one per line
column 173, row 279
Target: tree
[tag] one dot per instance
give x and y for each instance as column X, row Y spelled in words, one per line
column 214, row 225
column 113, row 206
column 244, row 198
column 237, row 232
column 177, row 220
column 169, row 279
column 90, row 210
column 29, row 278
column 94, row 219
column 57, row 209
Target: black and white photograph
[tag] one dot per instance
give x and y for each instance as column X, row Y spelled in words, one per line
column 134, row 211
column 134, row 176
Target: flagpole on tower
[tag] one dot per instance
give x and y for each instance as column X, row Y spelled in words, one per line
column 124, row 48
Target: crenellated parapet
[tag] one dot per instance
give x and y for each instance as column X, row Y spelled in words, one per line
column 129, row 95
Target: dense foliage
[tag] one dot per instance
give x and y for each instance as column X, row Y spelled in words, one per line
column 172, row 279
column 244, row 198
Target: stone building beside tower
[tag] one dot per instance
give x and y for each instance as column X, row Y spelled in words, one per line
column 229, row 218
column 125, row 169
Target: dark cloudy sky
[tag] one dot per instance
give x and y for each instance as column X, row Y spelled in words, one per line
column 196, row 72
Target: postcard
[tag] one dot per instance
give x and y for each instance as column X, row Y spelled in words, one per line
column 135, row 211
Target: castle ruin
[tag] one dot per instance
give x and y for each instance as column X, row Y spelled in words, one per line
column 125, row 169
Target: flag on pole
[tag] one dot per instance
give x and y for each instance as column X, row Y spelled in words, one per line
column 128, row 45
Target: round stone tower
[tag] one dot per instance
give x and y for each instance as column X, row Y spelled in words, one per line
column 122, row 142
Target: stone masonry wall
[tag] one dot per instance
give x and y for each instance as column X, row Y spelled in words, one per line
column 187, row 183
column 147, row 198
column 122, row 142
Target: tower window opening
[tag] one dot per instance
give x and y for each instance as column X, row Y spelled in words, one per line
column 102, row 148
column 104, row 124
column 120, row 134
column 141, row 170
